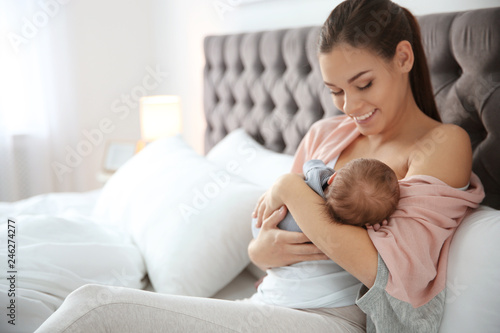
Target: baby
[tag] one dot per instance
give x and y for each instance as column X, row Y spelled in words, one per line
column 364, row 192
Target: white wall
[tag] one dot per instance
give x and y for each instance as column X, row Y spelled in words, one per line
column 185, row 23
column 109, row 45
column 101, row 53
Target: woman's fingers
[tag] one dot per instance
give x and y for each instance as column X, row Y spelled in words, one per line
column 259, row 202
column 292, row 237
column 275, row 218
column 304, row 252
column 305, row 249
column 300, row 247
column 280, row 247
column 260, row 213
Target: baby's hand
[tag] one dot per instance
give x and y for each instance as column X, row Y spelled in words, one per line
column 376, row 226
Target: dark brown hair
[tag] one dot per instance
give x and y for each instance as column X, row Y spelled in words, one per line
column 363, row 191
column 380, row 25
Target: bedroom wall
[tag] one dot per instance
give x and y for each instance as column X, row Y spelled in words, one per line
column 105, row 50
column 100, row 54
column 191, row 20
column 111, row 45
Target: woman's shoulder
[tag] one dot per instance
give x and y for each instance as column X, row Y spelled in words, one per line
column 444, row 152
column 444, row 136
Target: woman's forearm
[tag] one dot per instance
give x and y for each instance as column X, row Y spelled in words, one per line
column 347, row 245
column 274, row 247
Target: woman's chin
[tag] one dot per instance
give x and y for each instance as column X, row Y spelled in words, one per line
column 366, row 131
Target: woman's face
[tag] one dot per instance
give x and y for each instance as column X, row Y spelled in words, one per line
column 366, row 87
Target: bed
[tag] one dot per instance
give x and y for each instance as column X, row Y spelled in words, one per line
column 172, row 221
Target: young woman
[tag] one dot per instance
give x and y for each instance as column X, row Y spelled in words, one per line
column 372, row 61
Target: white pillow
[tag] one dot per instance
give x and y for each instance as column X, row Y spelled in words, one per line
column 189, row 217
column 242, row 155
column 473, row 289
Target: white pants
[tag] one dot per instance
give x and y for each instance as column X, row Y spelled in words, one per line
column 94, row 308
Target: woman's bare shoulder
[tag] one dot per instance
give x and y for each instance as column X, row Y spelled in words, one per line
column 443, row 152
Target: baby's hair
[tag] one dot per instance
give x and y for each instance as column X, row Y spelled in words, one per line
column 363, row 191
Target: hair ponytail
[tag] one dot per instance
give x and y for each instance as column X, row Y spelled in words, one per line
column 420, row 79
column 380, row 25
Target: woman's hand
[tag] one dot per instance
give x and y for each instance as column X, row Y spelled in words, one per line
column 269, row 202
column 266, row 205
column 349, row 246
column 276, row 248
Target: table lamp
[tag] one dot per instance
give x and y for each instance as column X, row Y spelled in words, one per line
column 160, row 117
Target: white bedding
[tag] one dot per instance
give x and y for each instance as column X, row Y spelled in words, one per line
column 65, row 240
column 59, row 248
column 168, row 209
column 51, row 204
column 184, row 217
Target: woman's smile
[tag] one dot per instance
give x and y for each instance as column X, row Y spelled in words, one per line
column 364, row 118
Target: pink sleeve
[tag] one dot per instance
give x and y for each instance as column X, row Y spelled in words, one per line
column 301, row 155
column 414, row 245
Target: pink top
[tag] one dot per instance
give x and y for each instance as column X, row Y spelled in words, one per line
column 414, row 245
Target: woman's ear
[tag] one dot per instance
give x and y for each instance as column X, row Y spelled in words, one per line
column 404, row 57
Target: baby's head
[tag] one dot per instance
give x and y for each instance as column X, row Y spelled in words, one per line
column 363, row 191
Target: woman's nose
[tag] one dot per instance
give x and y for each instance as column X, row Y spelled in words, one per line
column 351, row 104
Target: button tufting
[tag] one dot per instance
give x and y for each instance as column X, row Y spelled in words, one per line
column 270, row 83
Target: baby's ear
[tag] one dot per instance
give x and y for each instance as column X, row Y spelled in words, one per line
column 330, row 180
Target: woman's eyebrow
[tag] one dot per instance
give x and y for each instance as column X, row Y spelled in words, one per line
column 356, row 76
column 350, row 80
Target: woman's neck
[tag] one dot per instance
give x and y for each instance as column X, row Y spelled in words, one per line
column 410, row 122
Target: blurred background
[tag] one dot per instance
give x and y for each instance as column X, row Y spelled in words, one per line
column 73, row 73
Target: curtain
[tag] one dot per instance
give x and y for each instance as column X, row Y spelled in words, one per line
column 33, row 121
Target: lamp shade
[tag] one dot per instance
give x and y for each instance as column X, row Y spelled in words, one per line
column 160, row 117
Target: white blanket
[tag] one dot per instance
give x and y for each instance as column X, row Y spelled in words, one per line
column 57, row 250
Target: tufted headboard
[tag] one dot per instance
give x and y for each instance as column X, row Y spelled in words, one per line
column 270, row 84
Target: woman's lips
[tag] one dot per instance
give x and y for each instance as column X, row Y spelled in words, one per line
column 364, row 118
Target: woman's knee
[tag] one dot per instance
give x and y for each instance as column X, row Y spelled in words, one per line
column 91, row 296
column 77, row 304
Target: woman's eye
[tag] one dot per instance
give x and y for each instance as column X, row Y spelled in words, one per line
column 367, row 86
column 336, row 93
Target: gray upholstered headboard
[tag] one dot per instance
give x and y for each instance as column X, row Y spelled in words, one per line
column 269, row 83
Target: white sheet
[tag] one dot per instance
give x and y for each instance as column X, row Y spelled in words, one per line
column 52, row 203
column 58, row 251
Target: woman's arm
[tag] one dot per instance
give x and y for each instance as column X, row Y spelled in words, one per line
column 276, row 248
column 347, row 245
